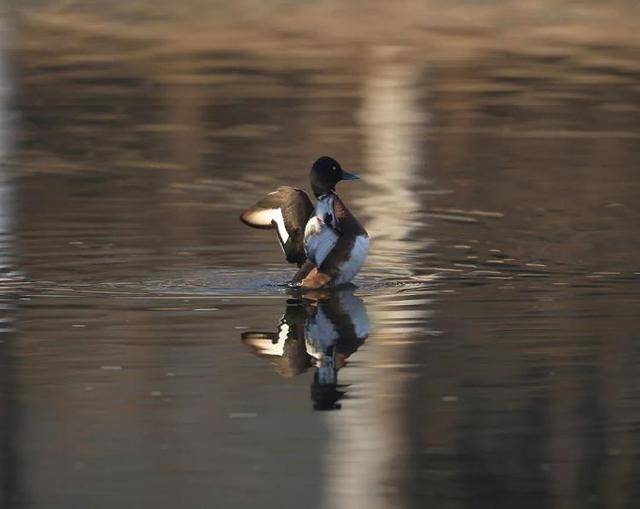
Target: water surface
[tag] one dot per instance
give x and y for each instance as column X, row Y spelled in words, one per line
column 488, row 354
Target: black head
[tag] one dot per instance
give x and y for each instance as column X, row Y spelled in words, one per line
column 326, row 172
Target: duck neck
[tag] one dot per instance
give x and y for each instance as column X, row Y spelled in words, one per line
column 320, row 186
column 321, row 196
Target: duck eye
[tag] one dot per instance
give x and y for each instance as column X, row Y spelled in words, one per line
column 333, row 168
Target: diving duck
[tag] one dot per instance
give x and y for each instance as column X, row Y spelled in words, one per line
column 327, row 242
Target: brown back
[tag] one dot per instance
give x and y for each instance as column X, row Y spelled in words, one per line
column 347, row 223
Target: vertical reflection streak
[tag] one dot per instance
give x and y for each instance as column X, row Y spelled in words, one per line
column 366, row 436
column 392, row 123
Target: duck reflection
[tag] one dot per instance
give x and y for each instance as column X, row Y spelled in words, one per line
column 319, row 329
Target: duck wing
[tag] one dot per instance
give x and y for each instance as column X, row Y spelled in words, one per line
column 286, row 210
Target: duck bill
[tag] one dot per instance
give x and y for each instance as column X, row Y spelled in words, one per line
column 349, row 176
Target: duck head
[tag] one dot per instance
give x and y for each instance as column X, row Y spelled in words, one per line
column 326, row 172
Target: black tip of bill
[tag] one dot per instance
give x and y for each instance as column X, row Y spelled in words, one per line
column 349, row 176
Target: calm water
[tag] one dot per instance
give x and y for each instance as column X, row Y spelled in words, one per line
column 489, row 355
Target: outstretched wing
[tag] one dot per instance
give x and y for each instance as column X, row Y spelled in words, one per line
column 287, row 210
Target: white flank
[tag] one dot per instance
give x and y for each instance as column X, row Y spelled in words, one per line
column 321, row 335
column 354, row 307
column 319, row 240
column 353, row 265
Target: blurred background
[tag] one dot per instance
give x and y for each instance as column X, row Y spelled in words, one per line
column 489, row 356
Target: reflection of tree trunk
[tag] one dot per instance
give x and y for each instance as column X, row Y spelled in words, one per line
column 185, row 137
column 392, row 119
column 366, row 437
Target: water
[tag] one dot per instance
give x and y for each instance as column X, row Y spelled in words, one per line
column 488, row 354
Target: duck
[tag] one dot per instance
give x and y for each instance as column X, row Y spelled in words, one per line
column 325, row 241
